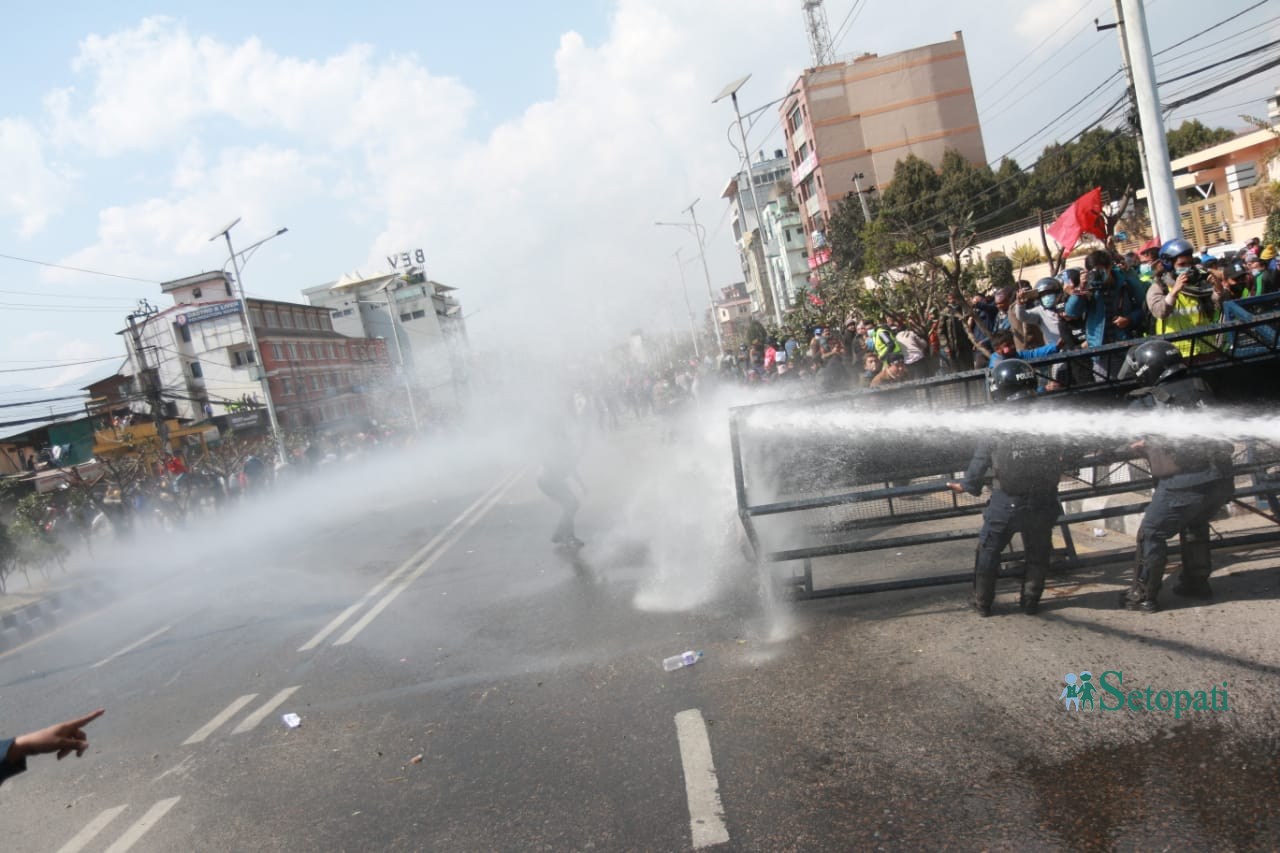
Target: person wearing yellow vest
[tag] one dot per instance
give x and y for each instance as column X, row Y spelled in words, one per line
column 1176, row 302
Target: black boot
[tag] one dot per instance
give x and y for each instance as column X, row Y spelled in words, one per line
column 1030, row 604
column 1135, row 599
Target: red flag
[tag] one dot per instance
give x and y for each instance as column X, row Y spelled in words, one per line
column 1084, row 216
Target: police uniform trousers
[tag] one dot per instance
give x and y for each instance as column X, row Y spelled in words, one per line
column 1183, row 510
column 1031, row 515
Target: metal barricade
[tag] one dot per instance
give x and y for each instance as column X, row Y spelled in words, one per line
column 802, row 497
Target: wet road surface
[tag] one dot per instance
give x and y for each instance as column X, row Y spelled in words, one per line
column 488, row 691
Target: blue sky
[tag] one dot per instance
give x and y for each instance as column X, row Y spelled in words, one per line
column 526, row 147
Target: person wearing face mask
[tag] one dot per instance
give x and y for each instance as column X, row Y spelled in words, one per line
column 1178, row 299
column 1040, row 309
column 1148, row 266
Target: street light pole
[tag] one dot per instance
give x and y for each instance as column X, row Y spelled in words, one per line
column 862, row 199
column 702, row 254
column 732, row 91
column 697, row 233
column 253, row 335
column 395, row 333
column 693, row 326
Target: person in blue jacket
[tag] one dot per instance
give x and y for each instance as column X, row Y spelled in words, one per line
column 1002, row 347
column 1108, row 302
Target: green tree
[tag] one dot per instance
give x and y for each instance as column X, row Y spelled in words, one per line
column 1192, row 136
column 844, row 236
column 1066, row 171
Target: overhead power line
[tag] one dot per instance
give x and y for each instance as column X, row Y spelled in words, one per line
column 1253, row 72
column 77, row 269
column 1233, row 17
column 61, row 365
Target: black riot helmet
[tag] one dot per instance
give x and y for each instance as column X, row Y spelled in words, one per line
column 1152, row 361
column 1012, row 379
column 1048, row 285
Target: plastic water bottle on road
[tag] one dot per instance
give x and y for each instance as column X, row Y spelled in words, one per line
column 688, row 658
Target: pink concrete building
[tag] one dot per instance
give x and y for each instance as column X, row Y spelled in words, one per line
column 862, row 116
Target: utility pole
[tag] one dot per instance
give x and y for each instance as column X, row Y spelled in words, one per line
column 702, row 253
column 395, row 333
column 148, row 382
column 1161, row 196
column 693, row 326
column 1118, row 26
column 862, row 199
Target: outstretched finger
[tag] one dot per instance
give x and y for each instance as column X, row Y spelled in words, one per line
column 85, row 720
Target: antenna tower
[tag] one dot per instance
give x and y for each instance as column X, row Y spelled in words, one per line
column 815, row 19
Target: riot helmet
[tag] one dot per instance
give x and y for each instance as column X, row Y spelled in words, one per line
column 1047, row 291
column 1152, row 361
column 1012, row 379
column 1174, row 249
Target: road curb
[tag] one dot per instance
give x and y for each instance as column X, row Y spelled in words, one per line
column 25, row 623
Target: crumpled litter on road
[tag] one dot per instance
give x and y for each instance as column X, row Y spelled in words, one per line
column 417, row 759
column 292, row 720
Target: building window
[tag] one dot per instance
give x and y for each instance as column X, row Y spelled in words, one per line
column 197, row 372
column 286, row 387
column 405, row 317
column 242, row 357
column 287, row 318
column 275, row 352
column 418, row 315
column 255, row 316
column 796, row 119
column 273, row 321
column 196, row 293
column 315, row 384
column 184, row 332
column 313, row 320
column 293, row 352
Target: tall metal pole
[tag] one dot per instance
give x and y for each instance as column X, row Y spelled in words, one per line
column 755, row 207
column 711, row 294
column 1118, row 26
column 693, row 325
column 404, row 374
column 1161, row 195
column 862, row 199
column 257, row 351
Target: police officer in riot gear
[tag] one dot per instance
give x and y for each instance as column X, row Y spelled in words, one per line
column 1193, row 478
column 1024, row 493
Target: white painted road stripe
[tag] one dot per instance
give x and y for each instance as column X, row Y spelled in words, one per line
column 706, row 815
column 94, row 826
column 226, row 714
column 261, row 714
column 131, row 647
column 426, row 564
column 140, row 827
column 342, row 617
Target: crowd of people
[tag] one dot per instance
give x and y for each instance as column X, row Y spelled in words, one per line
column 1114, row 297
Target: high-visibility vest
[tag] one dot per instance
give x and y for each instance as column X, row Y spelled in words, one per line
column 885, row 342
column 1187, row 313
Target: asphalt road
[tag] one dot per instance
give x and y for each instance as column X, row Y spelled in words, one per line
column 463, row 685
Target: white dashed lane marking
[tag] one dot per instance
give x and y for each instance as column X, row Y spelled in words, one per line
column 223, row 715
column 706, row 815
column 130, row 837
column 140, row 827
column 91, row 830
column 131, row 647
column 261, row 714
column 481, row 506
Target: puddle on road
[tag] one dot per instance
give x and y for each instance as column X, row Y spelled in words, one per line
column 1194, row 786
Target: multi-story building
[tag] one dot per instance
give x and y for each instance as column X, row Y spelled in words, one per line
column 733, row 313
column 421, row 320
column 768, row 178
column 200, row 355
column 787, row 251
column 860, row 117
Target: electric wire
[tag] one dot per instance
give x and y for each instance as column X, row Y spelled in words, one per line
column 78, row 269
